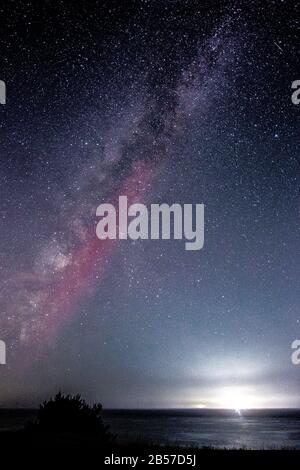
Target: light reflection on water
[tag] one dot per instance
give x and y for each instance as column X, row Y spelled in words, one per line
column 220, row 428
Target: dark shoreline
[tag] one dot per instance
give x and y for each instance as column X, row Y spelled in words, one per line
column 20, row 446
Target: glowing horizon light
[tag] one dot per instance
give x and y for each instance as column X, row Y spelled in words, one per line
column 236, row 398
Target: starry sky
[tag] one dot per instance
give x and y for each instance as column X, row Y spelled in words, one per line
column 163, row 101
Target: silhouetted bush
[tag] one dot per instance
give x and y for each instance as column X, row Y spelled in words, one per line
column 67, row 414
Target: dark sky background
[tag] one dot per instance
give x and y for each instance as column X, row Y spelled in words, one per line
column 164, row 101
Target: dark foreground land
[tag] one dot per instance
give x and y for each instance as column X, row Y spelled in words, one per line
column 45, row 450
column 67, row 431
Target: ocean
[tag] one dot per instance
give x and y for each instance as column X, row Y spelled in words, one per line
column 255, row 429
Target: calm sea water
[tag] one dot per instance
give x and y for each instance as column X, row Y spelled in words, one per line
column 254, row 429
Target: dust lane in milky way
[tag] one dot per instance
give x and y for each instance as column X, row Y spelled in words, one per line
column 50, row 302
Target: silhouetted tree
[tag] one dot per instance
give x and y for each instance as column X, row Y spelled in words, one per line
column 72, row 415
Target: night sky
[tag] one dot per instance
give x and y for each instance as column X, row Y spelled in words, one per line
column 164, row 101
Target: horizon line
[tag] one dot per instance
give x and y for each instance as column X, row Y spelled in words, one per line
column 165, row 409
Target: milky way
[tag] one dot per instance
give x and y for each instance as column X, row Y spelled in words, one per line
column 63, row 270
